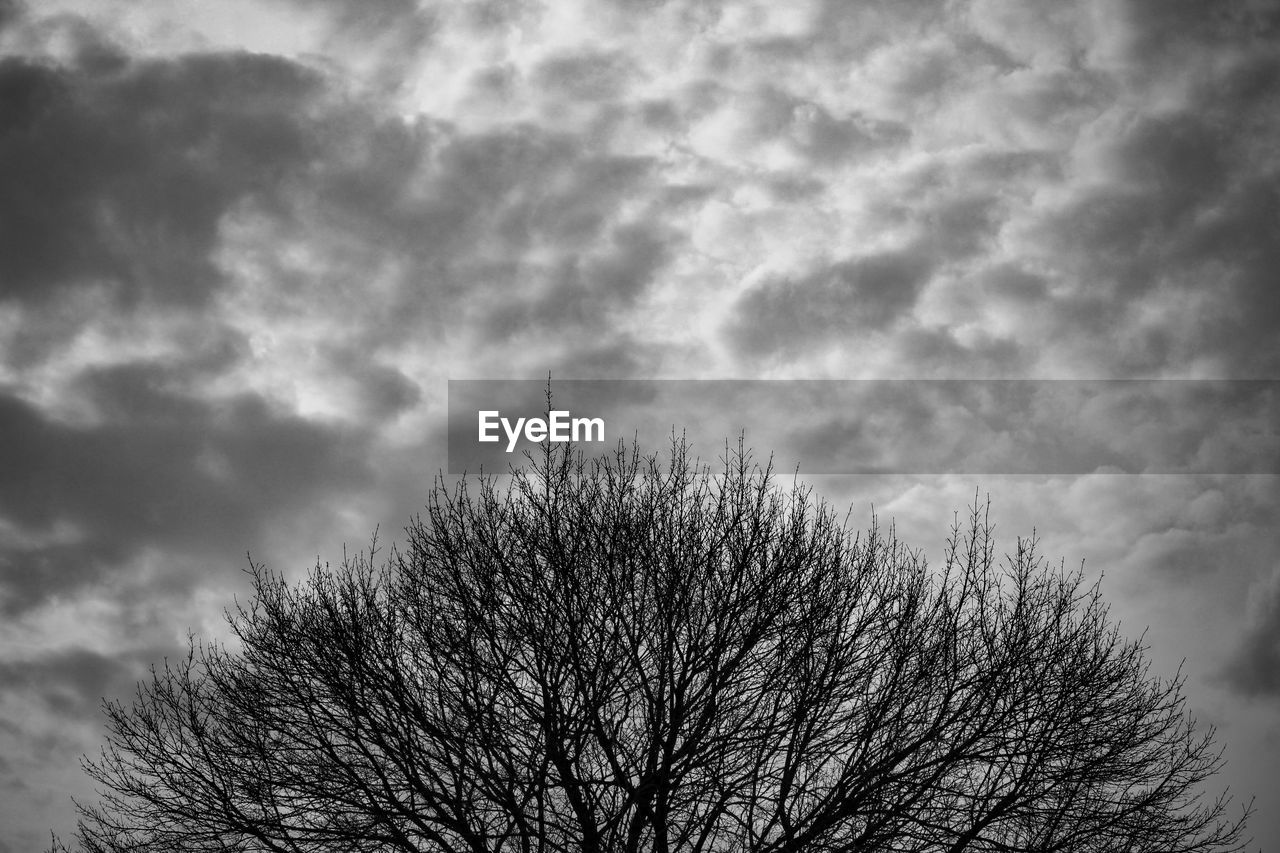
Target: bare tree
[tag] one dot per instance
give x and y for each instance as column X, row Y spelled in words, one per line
column 622, row 654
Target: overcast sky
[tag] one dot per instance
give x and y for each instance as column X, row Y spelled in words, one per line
column 244, row 244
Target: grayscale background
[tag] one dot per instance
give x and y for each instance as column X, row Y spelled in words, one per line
column 245, row 244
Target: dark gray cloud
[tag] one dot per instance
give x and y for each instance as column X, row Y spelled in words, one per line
column 1164, row 35
column 854, row 296
column 584, row 76
column 1254, row 668
column 161, row 469
column 10, row 11
column 1187, row 195
column 121, row 177
column 937, row 352
column 73, row 683
column 587, row 291
column 500, row 234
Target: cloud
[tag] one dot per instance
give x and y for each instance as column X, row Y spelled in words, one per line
column 10, row 11
column 1138, row 228
column 72, row 683
column 852, row 296
column 121, row 178
column 1254, row 668
column 588, row 76
column 583, row 291
column 160, row 469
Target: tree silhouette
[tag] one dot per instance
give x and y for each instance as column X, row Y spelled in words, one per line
column 622, row 654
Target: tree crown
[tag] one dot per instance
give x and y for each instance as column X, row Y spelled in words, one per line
column 624, row 654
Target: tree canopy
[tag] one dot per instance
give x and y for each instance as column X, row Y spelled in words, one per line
column 635, row 653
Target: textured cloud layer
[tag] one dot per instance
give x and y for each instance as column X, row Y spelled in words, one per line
column 243, row 245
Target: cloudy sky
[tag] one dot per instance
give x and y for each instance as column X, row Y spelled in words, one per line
column 244, row 245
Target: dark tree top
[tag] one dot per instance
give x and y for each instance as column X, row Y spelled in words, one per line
column 626, row 654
